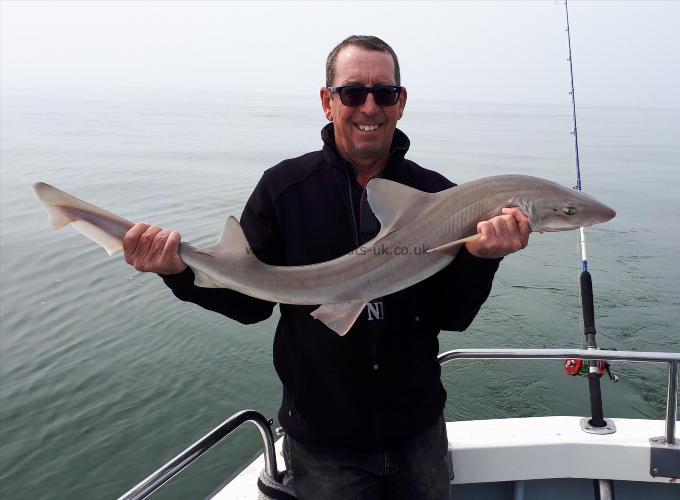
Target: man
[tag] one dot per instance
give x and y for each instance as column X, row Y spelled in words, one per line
column 363, row 412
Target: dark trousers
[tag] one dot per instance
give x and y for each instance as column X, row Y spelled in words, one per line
column 417, row 470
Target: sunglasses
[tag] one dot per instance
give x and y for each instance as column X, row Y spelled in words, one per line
column 355, row 95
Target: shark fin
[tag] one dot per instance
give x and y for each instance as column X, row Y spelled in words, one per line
column 452, row 248
column 111, row 244
column 64, row 209
column 203, row 280
column 339, row 316
column 231, row 244
column 232, row 241
column 389, row 200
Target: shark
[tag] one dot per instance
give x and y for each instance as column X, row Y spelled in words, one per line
column 420, row 234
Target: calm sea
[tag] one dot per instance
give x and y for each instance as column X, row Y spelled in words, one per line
column 105, row 375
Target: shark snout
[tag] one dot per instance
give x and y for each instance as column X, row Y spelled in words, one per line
column 603, row 213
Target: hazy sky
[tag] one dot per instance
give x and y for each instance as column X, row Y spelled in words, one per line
column 625, row 53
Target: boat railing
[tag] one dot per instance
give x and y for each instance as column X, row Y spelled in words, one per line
column 671, row 359
column 181, row 461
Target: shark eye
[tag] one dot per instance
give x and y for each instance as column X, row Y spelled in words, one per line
column 568, row 210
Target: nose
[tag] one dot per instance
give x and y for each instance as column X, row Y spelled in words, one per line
column 369, row 106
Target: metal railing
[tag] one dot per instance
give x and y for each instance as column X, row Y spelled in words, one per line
column 672, row 359
column 177, row 464
column 181, row 461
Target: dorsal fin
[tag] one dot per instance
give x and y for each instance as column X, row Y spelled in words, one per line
column 232, row 241
column 389, row 200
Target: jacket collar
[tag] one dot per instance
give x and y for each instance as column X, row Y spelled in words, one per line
column 398, row 149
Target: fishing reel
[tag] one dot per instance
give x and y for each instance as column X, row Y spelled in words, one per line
column 576, row 367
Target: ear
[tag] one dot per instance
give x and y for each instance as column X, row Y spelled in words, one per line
column 325, row 95
column 402, row 103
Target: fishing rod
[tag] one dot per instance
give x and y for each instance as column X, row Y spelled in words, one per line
column 585, row 278
column 603, row 489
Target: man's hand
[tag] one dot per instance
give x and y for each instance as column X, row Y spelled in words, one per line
column 501, row 235
column 152, row 249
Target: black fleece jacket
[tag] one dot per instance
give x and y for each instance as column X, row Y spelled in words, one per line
column 379, row 385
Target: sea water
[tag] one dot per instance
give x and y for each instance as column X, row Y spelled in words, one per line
column 104, row 375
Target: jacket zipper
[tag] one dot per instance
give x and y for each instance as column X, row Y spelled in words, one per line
column 373, row 355
column 351, row 209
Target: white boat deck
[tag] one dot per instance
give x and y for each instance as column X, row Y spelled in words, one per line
column 550, row 447
column 523, row 449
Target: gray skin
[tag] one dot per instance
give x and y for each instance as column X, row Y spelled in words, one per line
column 411, row 221
column 427, row 221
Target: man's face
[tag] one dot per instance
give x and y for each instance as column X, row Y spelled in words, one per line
column 356, row 135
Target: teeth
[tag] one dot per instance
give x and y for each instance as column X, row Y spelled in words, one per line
column 368, row 128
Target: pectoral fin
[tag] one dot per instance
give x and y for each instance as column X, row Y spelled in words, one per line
column 453, row 246
column 339, row 316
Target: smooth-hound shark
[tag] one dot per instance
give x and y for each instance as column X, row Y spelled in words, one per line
column 409, row 219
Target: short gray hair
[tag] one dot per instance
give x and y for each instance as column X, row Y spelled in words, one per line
column 365, row 42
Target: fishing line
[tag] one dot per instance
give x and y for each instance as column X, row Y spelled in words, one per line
column 581, row 243
column 574, row 132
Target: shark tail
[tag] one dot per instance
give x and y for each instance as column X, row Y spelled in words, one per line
column 104, row 228
column 54, row 201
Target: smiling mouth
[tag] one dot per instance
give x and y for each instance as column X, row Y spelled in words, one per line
column 367, row 127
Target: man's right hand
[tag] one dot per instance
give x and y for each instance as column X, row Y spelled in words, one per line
column 152, row 249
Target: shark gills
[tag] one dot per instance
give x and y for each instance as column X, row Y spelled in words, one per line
column 410, row 221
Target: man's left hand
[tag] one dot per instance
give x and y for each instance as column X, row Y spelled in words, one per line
column 501, row 235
